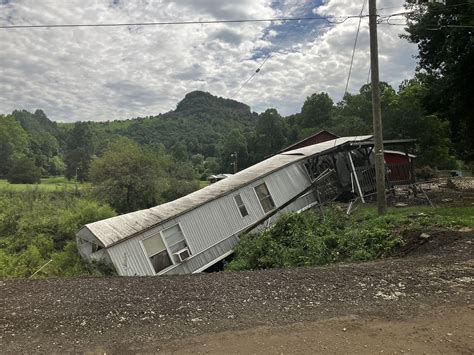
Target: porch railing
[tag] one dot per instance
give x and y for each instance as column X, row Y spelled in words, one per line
column 395, row 175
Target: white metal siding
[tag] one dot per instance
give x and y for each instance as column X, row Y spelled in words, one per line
column 217, row 220
column 130, row 259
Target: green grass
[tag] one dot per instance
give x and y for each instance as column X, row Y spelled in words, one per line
column 203, row 183
column 47, row 185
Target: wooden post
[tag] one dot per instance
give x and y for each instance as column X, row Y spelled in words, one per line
column 376, row 111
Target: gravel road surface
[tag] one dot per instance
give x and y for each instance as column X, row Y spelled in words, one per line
column 421, row 302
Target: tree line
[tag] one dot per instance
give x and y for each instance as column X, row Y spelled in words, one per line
column 130, row 172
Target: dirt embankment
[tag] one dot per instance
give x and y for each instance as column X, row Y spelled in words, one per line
column 419, row 303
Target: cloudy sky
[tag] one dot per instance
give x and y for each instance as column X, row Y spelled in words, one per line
column 123, row 72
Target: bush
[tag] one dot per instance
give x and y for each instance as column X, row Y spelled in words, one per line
column 37, row 227
column 24, row 171
column 310, row 239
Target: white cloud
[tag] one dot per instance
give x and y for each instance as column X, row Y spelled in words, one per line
column 123, row 72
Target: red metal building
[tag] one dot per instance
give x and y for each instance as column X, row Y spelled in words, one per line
column 321, row 136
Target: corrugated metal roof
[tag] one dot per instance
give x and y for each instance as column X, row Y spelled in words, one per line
column 112, row 230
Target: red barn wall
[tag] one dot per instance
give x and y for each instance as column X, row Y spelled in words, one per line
column 320, row 137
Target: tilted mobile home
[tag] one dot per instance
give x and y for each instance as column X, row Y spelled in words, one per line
column 194, row 232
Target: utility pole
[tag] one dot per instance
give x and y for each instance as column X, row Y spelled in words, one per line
column 376, row 111
column 234, row 155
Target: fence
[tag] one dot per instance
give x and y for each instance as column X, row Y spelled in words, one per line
column 395, row 175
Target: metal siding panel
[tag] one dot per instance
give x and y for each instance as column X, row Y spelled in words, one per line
column 214, row 222
column 137, row 261
column 222, row 217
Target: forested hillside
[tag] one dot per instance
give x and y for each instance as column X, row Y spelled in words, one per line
column 200, row 121
column 204, row 131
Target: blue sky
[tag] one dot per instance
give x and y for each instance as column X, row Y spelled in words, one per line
column 118, row 73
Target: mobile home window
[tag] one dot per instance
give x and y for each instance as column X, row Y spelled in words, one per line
column 156, row 251
column 264, row 197
column 241, row 205
column 176, row 242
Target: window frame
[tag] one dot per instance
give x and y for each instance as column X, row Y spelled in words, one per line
column 168, row 247
column 148, row 257
column 266, row 197
column 239, row 206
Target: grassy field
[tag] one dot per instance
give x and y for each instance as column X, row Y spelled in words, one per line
column 203, row 183
column 48, row 184
column 54, row 184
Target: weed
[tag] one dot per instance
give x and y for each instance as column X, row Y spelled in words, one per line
column 311, row 239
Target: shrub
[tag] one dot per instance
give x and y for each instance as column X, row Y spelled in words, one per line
column 37, row 227
column 311, row 239
column 24, row 171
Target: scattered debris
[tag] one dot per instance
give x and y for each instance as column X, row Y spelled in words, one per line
column 390, row 296
column 417, row 215
column 401, row 204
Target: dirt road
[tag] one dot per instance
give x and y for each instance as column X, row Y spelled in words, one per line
column 419, row 303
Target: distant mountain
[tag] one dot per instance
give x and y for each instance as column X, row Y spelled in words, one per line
column 197, row 100
column 201, row 120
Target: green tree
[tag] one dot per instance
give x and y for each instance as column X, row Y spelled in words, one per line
column 24, row 171
column 211, row 165
column 179, row 151
column 181, row 180
column 234, row 142
column 316, row 110
column 43, row 136
column 269, row 136
column 443, row 34
column 14, row 143
column 128, row 177
column 80, row 147
column 409, row 119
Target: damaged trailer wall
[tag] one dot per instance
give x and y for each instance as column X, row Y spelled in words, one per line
column 215, row 223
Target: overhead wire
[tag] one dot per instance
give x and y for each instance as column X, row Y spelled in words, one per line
column 258, row 68
column 355, row 44
column 328, row 19
column 353, row 53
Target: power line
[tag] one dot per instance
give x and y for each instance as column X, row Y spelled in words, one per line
column 331, row 20
column 328, row 19
column 353, row 53
column 259, row 67
column 355, row 44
